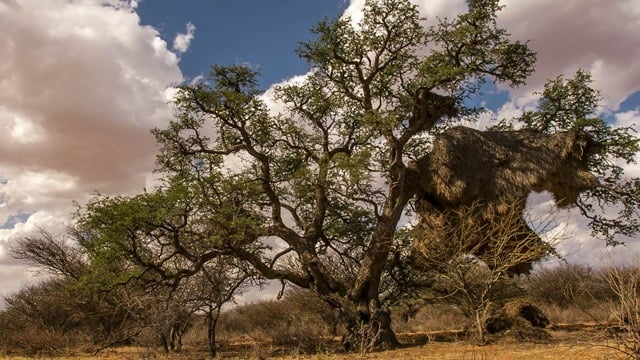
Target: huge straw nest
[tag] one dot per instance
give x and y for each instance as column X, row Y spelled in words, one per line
column 493, row 172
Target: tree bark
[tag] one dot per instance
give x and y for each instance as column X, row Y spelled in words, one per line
column 363, row 335
column 211, row 335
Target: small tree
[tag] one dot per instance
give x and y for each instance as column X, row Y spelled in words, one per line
column 164, row 239
column 219, row 282
column 124, row 293
column 625, row 283
column 474, row 267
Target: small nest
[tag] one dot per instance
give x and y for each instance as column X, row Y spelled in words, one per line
column 520, row 320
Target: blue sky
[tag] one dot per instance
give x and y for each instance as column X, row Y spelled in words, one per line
column 83, row 81
column 262, row 34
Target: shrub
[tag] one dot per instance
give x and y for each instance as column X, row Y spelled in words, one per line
column 568, row 286
column 299, row 321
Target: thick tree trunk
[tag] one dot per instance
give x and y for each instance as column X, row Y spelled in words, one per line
column 367, row 334
column 366, row 325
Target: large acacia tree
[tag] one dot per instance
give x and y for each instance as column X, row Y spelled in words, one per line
column 314, row 193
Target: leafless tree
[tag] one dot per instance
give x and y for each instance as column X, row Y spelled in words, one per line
column 474, row 267
column 55, row 254
column 625, row 283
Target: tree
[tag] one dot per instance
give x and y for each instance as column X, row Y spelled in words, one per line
column 168, row 240
column 212, row 288
column 124, row 293
column 471, row 264
column 314, row 194
column 107, row 315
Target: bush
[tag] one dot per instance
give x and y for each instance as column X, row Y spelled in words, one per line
column 568, row 286
column 42, row 319
column 21, row 336
column 300, row 321
column 625, row 283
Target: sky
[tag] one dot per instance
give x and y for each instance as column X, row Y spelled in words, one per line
column 83, row 81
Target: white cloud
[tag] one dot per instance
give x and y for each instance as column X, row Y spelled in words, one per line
column 26, row 132
column 83, row 81
column 182, row 41
column 441, row 8
column 431, row 9
column 354, row 11
column 9, row 3
column 599, row 36
column 82, row 84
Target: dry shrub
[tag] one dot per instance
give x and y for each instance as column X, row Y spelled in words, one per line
column 569, row 285
column 432, row 317
column 19, row 336
column 597, row 313
column 299, row 321
column 42, row 320
column 625, row 283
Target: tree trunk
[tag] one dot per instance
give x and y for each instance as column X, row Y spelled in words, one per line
column 368, row 330
column 211, row 334
column 165, row 343
column 480, row 328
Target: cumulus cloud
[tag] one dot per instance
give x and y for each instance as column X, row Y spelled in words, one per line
column 593, row 35
column 581, row 34
column 82, row 84
column 182, row 41
column 431, row 9
column 83, row 81
column 598, row 36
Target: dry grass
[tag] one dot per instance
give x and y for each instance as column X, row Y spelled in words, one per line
column 431, row 318
column 596, row 313
column 570, row 343
column 495, row 352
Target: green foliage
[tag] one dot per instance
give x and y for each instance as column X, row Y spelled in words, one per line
column 473, row 45
column 572, row 105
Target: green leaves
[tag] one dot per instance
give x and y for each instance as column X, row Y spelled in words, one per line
column 613, row 208
column 471, row 46
column 565, row 104
column 167, row 234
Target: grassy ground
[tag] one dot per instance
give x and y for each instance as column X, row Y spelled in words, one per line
column 583, row 343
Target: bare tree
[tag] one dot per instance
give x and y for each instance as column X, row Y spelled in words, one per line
column 219, row 282
column 472, row 263
column 625, row 283
column 57, row 255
